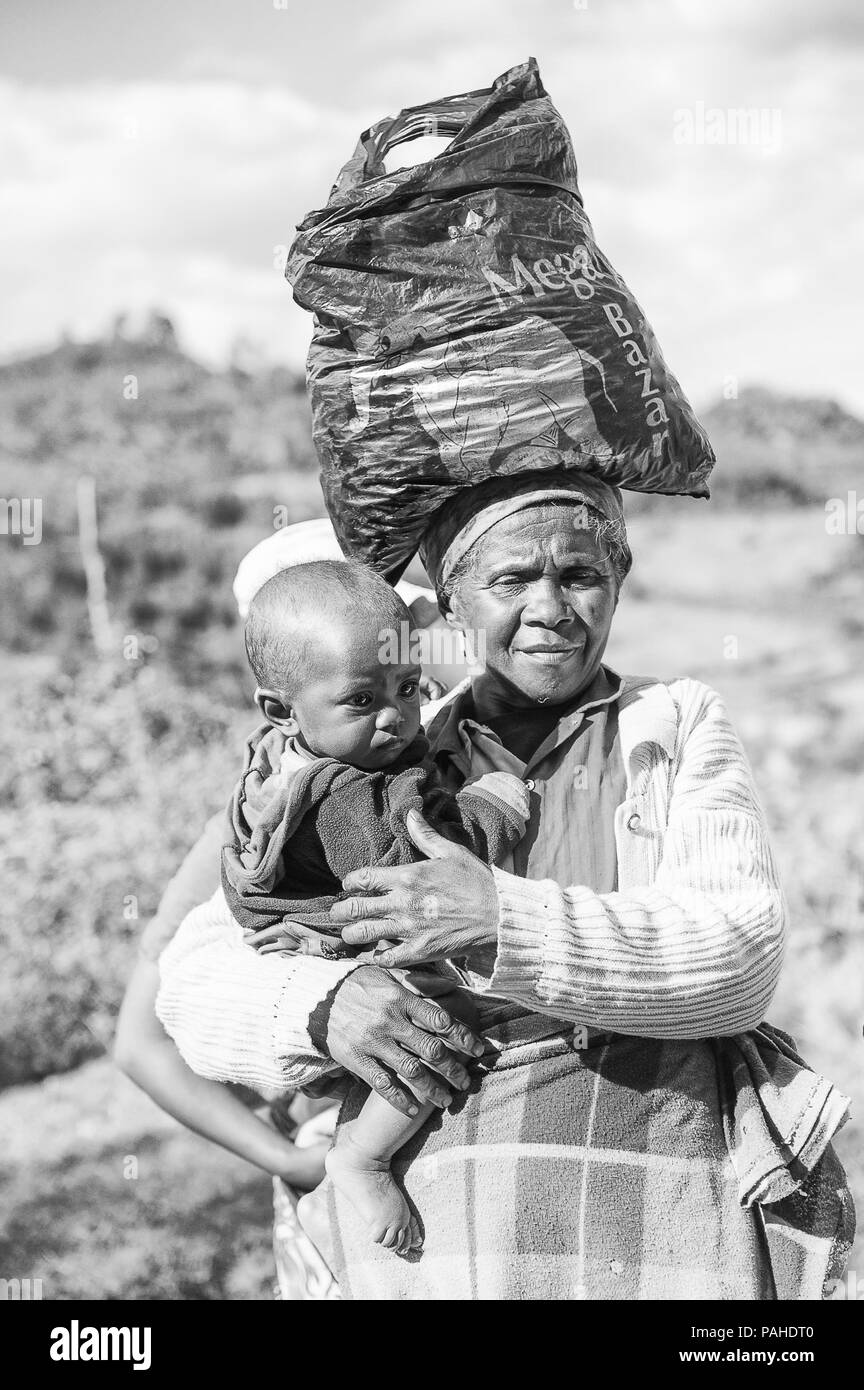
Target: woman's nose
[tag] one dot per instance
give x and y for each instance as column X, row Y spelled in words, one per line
column 546, row 605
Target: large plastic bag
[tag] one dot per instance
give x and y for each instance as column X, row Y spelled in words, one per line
column 467, row 325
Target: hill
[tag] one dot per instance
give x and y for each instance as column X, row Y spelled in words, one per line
column 781, row 447
column 110, row 764
column 188, row 465
column 191, row 465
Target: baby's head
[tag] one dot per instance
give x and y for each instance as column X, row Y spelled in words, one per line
column 319, row 638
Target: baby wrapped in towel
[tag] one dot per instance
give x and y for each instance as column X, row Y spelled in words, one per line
column 326, row 788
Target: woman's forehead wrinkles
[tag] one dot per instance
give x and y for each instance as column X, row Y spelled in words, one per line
column 536, row 540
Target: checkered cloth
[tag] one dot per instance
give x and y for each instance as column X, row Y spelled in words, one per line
column 631, row 1169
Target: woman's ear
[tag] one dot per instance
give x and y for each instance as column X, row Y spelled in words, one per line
column 274, row 709
column 445, row 608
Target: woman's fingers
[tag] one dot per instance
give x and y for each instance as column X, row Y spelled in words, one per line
column 431, row 1017
column 379, row 1080
column 429, row 841
column 370, row 880
column 426, row 1086
column 432, row 1056
column 385, row 1035
column 406, row 953
column 349, row 910
column 369, row 933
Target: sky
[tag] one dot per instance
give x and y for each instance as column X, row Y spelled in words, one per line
column 161, row 154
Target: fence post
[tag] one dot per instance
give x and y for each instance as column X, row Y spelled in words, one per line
column 94, row 568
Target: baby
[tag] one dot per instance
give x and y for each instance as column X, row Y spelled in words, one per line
column 326, row 788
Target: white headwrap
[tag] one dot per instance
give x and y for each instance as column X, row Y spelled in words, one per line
column 297, row 545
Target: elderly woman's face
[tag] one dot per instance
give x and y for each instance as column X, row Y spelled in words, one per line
column 543, row 593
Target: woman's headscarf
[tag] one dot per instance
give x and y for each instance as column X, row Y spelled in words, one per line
column 474, row 511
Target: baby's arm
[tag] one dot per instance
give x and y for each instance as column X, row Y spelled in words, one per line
column 363, row 823
column 313, row 836
column 494, row 810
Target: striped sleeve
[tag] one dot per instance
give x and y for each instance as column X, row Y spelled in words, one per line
column 236, row 1015
column 694, row 953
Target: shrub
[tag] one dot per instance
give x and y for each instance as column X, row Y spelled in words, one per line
column 109, row 776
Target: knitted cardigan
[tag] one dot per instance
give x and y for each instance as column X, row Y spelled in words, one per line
column 689, row 946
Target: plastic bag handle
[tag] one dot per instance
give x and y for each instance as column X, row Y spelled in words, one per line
column 445, row 117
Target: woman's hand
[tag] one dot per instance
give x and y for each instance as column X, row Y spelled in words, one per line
column 382, row 1033
column 445, row 906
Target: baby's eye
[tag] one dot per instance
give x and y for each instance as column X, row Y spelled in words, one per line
column 362, row 700
column 408, row 689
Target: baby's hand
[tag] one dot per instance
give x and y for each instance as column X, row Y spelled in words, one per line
column 293, row 938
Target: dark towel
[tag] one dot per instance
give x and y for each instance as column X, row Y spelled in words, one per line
column 340, row 818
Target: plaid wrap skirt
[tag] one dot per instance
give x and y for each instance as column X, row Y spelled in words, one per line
column 592, row 1172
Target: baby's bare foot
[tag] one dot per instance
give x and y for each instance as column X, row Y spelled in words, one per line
column 368, row 1185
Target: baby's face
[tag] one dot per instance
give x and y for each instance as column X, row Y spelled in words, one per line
column 353, row 706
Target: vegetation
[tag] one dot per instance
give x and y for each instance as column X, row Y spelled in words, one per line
column 110, row 763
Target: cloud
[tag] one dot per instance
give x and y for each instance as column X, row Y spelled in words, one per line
column 176, row 191
column 120, row 196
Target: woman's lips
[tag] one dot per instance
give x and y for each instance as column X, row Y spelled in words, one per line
column 549, row 655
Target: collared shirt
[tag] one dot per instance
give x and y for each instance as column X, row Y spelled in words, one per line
column 577, row 777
